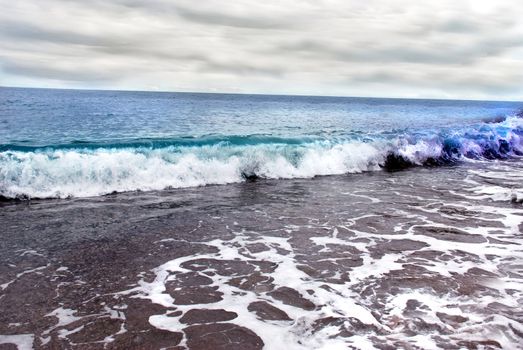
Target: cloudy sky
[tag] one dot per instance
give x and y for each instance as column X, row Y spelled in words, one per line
column 397, row 48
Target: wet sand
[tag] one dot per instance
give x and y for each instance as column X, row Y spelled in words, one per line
column 417, row 259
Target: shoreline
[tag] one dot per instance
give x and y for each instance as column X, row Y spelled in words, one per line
column 329, row 261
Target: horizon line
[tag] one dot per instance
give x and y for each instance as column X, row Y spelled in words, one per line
column 258, row 94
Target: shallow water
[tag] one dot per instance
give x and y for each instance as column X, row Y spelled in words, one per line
column 426, row 258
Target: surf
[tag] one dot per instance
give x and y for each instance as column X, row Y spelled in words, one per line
column 93, row 169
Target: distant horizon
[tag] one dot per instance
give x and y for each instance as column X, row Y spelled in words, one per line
column 260, row 94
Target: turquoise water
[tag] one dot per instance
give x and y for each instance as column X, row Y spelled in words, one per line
column 68, row 143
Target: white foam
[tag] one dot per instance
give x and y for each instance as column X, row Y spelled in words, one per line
column 64, row 316
column 22, row 341
column 91, row 172
column 342, row 300
column 498, row 181
column 82, row 173
column 296, row 335
column 36, row 269
column 420, row 151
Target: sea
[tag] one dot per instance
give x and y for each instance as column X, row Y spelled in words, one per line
column 163, row 220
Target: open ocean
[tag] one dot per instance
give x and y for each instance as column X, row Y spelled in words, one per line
column 149, row 220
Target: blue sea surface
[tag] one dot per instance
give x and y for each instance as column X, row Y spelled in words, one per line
column 63, row 143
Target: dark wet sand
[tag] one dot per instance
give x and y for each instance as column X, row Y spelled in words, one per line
column 392, row 260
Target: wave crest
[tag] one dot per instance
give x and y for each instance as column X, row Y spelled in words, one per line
column 80, row 172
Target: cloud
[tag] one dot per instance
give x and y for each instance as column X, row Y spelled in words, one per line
column 386, row 48
column 243, row 20
column 50, row 70
column 457, row 51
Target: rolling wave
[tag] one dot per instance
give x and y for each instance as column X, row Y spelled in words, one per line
column 82, row 169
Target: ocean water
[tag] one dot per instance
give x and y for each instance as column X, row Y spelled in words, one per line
column 305, row 236
column 69, row 143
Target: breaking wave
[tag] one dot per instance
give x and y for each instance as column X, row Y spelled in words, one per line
column 81, row 169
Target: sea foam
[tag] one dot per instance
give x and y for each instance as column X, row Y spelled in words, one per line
column 59, row 172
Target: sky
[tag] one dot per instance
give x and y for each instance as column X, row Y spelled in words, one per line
column 397, row 48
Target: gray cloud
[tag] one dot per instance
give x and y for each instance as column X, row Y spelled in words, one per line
column 27, row 31
column 255, row 21
column 386, row 48
column 239, row 68
column 493, row 84
column 461, row 51
column 50, row 70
